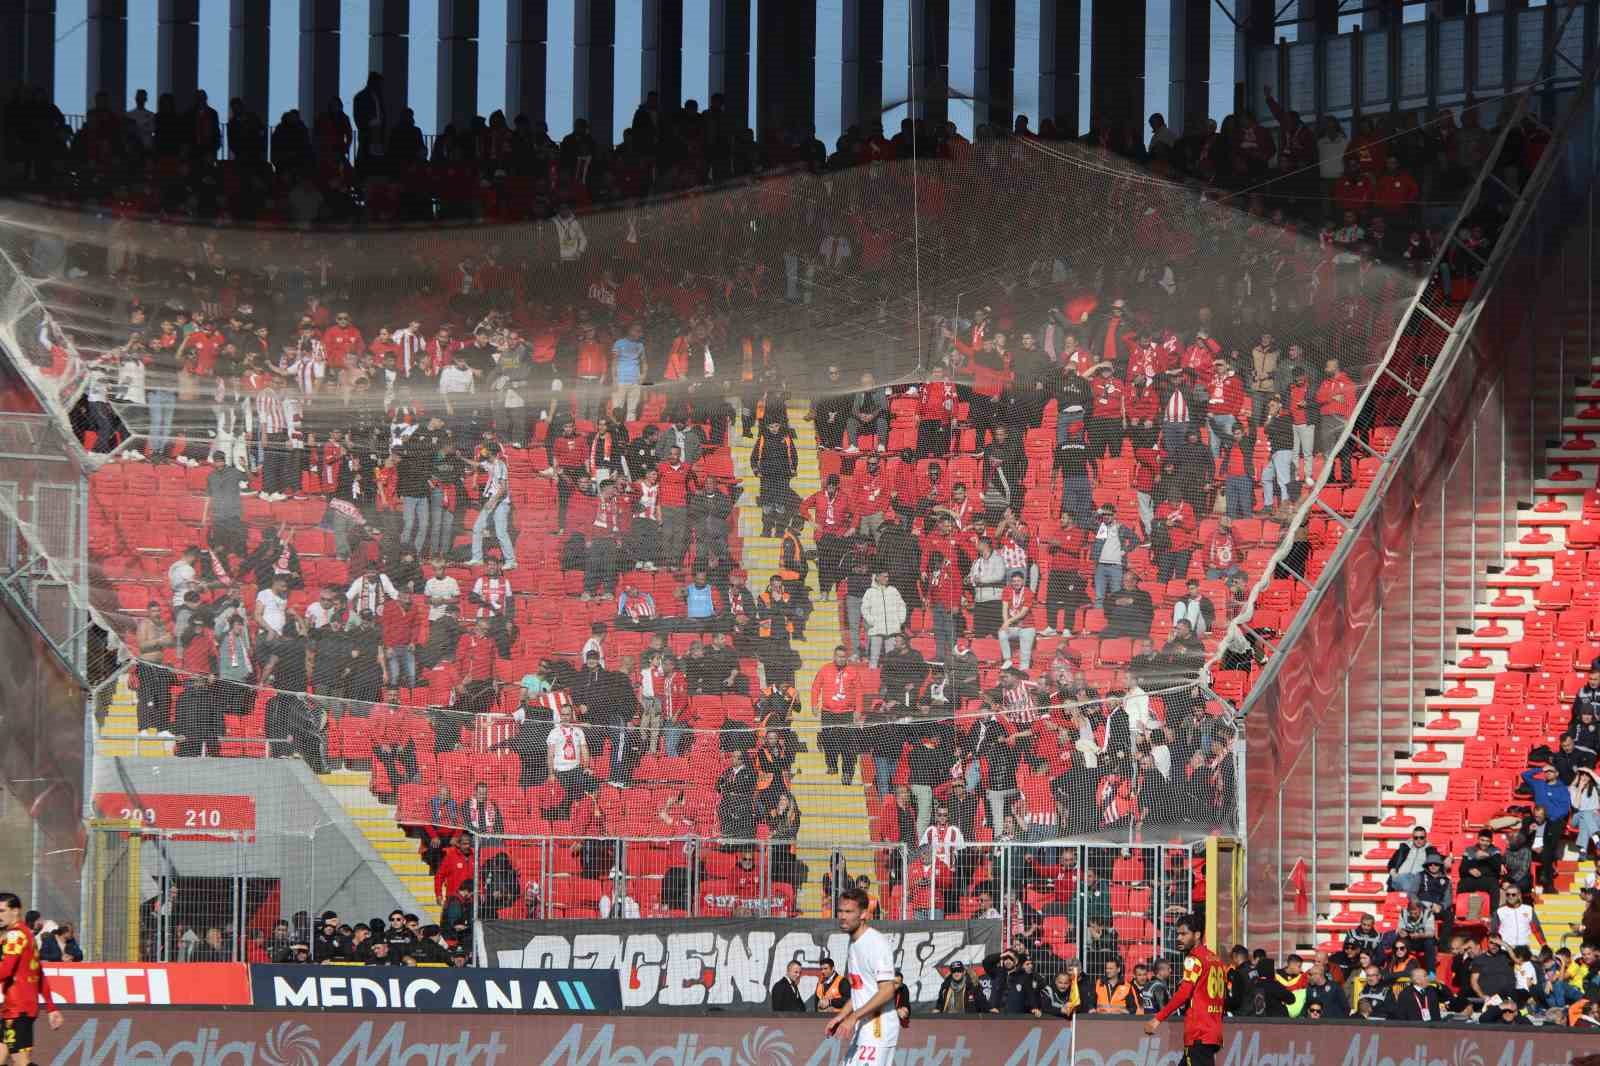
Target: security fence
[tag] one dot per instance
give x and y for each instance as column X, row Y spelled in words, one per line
column 1062, row 902
column 218, row 895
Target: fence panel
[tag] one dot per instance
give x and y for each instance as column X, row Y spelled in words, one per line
column 215, row 895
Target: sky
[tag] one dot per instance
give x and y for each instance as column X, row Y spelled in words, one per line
column 283, row 88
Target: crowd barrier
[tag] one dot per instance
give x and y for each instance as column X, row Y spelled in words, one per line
column 728, row 964
column 197, row 1037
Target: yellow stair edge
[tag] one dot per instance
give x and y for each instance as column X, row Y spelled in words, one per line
column 831, row 814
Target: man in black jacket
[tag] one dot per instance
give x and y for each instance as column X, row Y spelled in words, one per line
column 786, row 993
column 612, row 704
column 1480, row 869
column 1326, row 993
column 960, row 993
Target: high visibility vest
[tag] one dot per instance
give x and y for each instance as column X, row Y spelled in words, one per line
column 748, row 371
column 765, row 628
column 792, row 559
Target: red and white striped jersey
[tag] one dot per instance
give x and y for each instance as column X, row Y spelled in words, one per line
column 412, row 346
column 1017, row 705
column 649, row 501
column 495, row 592
column 278, row 412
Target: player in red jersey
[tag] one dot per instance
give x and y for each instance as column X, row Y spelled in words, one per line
column 22, row 985
column 1203, row 990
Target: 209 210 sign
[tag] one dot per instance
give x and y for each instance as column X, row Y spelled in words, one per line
column 180, row 812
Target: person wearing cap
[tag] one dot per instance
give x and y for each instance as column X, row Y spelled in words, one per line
column 371, row 590
column 1479, row 869
column 1548, row 834
column 430, row 947
column 459, row 912
column 636, row 606
column 1108, row 550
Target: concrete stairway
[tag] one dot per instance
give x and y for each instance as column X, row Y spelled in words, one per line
column 119, row 735
column 375, row 821
column 833, row 815
column 1449, row 719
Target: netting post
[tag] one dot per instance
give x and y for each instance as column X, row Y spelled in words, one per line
column 239, row 875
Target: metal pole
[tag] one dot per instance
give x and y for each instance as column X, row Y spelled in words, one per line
column 1316, row 879
column 1349, row 791
column 1277, row 875
column 238, row 897
column 1472, row 524
column 905, row 895
column 1505, row 450
column 1444, row 525
column 1378, row 621
column 33, row 859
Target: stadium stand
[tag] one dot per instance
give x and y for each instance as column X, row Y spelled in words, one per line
column 669, row 541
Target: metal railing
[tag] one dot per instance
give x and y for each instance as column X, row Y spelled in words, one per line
column 213, row 895
column 1042, row 890
column 1341, row 699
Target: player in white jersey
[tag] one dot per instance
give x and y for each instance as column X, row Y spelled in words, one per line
column 870, row 1023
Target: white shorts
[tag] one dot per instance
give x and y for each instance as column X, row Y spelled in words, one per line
column 870, row 1055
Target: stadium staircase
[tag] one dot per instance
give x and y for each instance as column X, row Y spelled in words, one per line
column 832, row 815
column 1535, row 630
column 375, row 820
column 377, row 823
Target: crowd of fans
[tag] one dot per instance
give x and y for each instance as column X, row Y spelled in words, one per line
column 1035, row 528
column 403, row 940
column 1374, row 978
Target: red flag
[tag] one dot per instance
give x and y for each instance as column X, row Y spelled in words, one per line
column 1302, row 891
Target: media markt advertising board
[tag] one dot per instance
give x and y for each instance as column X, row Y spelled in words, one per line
column 727, row 964
column 179, row 1037
column 380, row 988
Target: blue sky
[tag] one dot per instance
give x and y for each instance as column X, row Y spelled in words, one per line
column 284, row 79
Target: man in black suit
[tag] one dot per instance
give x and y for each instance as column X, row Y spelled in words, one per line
column 786, row 993
column 1419, row 1002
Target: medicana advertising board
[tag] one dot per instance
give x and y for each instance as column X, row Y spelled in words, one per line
column 121, row 1037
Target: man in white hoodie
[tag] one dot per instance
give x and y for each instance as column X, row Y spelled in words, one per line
column 884, row 611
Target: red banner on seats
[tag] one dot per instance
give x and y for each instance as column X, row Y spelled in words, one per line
column 190, row 984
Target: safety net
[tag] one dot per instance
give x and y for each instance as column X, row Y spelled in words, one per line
column 941, row 478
